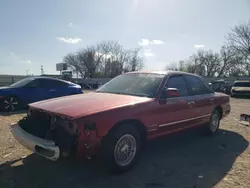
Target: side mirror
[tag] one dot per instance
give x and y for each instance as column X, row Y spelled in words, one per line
column 172, row 92
column 168, row 93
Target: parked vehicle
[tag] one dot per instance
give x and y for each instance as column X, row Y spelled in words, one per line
column 221, row 86
column 241, row 88
column 121, row 116
column 34, row 89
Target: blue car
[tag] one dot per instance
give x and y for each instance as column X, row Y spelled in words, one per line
column 34, row 89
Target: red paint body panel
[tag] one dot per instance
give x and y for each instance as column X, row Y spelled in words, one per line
column 85, row 104
column 106, row 110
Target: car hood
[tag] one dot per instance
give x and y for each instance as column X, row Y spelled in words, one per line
column 4, row 88
column 85, row 104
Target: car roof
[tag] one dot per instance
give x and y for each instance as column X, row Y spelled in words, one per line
column 162, row 72
column 49, row 78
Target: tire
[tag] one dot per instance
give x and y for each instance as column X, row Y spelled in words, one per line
column 214, row 123
column 125, row 140
column 9, row 104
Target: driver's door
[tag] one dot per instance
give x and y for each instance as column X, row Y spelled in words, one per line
column 34, row 92
column 177, row 113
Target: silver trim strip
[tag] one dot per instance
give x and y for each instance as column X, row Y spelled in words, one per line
column 166, row 124
column 151, row 130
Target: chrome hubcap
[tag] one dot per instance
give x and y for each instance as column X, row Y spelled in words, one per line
column 125, row 150
column 214, row 122
column 10, row 103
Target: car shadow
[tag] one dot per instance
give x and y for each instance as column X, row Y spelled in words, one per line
column 12, row 113
column 182, row 160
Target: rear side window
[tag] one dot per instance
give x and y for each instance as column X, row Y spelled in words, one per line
column 195, row 85
column 49, row 83
column 207, row 89
column 179, row 83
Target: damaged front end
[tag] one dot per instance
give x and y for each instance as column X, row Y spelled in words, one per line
column 48, row 135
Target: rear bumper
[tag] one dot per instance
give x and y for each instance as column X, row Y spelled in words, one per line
column 45, row 148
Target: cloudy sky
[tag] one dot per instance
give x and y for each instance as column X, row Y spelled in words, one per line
column 35, row 33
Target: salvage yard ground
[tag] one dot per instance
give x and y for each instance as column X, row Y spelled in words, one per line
column 186, row 160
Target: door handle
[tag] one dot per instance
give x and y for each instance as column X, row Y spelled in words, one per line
column 190, row 103
column 52, row 90
column 211, row 100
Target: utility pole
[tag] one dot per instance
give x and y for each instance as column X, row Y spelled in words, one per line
column 27, row 72
column 42, row 72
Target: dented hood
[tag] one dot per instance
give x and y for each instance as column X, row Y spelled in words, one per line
column 85, row 104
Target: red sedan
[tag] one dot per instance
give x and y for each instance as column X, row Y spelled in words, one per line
column 121, row 116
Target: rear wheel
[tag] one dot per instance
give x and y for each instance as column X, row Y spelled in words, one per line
column 9, row 104
column 214, row 122
column 121, row 148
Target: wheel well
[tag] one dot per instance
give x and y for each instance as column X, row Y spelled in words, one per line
column 220, row 110
column 141, row 128
column 11, row 96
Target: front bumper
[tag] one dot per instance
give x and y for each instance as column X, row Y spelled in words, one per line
column 240, row 93
column 45, row 148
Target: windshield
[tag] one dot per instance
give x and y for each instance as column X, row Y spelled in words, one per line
column 138, row 84
column 22, row 83
column 242, row 84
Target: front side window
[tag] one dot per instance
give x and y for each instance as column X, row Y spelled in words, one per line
column 179, row 83
column 137, row 84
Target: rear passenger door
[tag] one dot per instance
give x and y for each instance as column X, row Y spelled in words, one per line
column 59, row 88
column 202, row 97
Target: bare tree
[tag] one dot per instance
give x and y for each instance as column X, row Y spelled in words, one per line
column 172, row 66
column 177, row 66
column 239, row 40
column 231, row 61
column 105, row 59
column 72, row 60
column 134, row 61
column 208, row 60
column 204, row 63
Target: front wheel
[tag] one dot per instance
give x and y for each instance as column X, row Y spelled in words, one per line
column 9, row 104
column 121, row 148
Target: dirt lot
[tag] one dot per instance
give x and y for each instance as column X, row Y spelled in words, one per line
column 186, row 160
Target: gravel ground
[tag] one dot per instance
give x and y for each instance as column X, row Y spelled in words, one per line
column 184, row 160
